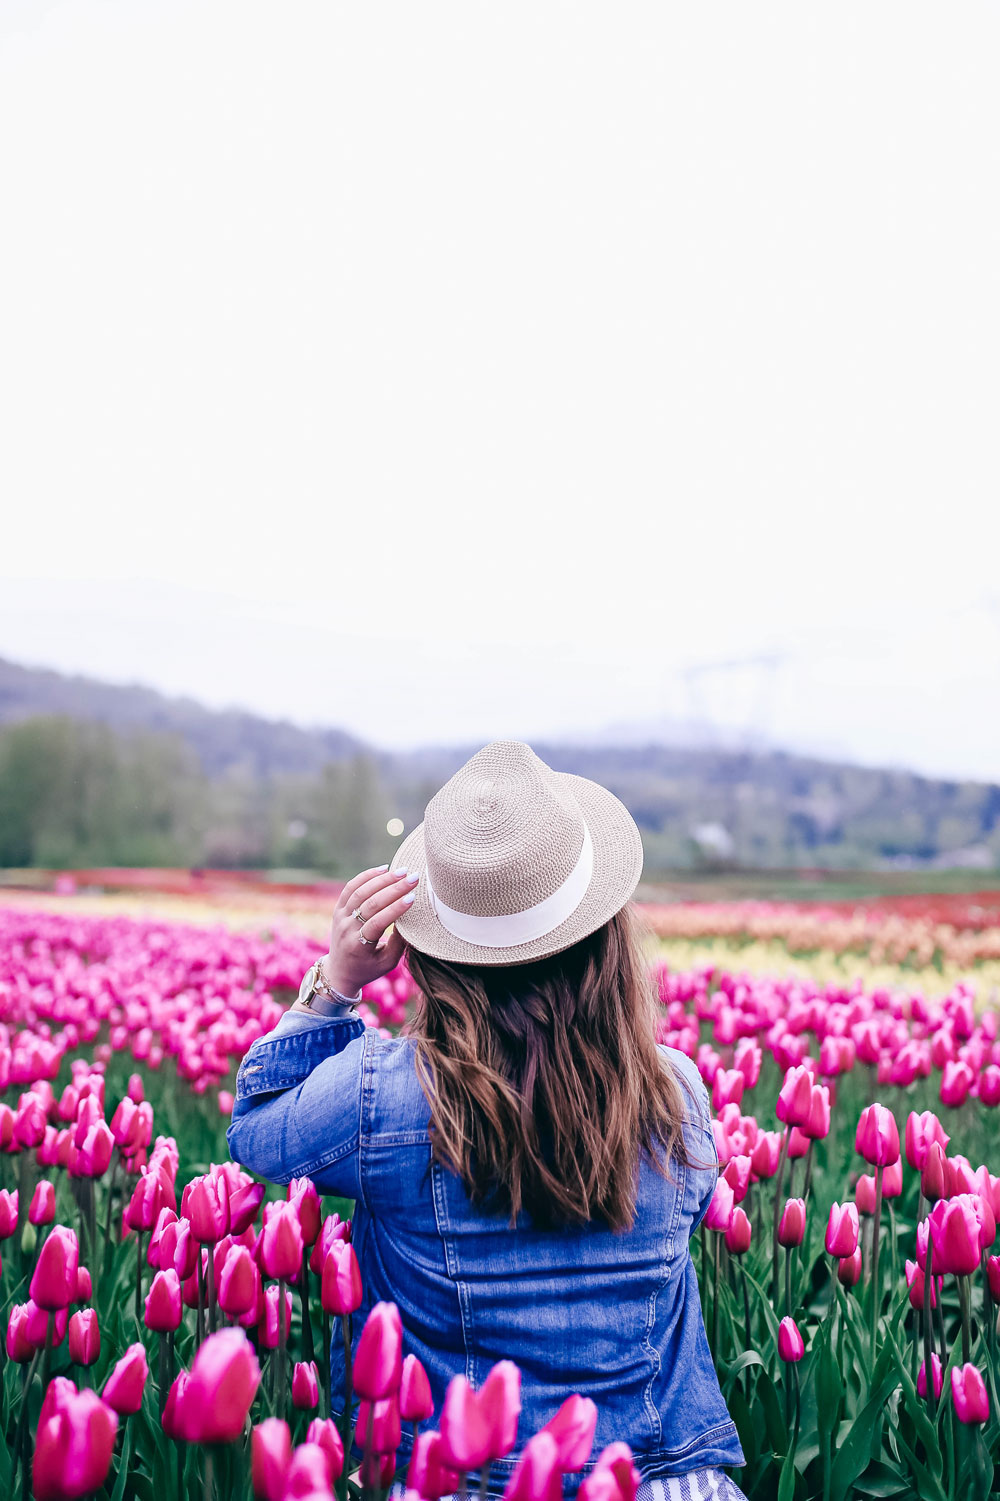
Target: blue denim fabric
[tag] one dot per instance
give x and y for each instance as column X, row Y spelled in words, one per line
column 613, row 1316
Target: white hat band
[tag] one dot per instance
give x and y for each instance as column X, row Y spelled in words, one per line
column 507, row 929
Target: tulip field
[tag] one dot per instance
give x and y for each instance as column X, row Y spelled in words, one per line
column 167, row 1319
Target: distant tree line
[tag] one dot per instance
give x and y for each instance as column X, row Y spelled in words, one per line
column 78, row 792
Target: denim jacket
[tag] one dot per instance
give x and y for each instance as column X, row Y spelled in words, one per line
column 614, row 1316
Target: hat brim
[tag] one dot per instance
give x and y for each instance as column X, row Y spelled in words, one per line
column 617, row 868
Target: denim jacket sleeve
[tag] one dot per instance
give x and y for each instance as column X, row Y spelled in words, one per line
column 298, row 1103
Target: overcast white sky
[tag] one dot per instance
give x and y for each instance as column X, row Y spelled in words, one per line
column 448, row 371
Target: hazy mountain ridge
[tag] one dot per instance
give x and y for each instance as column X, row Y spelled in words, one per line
column 248, row 790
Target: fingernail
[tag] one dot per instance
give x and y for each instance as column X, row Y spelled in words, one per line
column 409, row 898
column 383, row 867
column 401, row 871
column 413, row 878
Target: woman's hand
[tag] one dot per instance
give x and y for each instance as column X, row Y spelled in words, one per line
column 380, row 895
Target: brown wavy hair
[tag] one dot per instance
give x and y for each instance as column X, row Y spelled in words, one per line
column 544, row 1081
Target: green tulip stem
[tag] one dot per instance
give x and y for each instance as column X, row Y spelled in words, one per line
column 876, row 1300
column 345, row 1324
column 963, row 1299
column 779, row 1179
column 280, row 1378
column 788, row 1281
column 928, row 1331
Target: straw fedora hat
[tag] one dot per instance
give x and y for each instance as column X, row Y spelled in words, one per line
column 516, row 861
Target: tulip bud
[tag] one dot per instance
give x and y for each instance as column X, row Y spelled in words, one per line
column 222, row 1385
column 8, row 1212
column 383, row 1420
column 84, row 1337
column 267, row 1333
column 281, row 1243
column 795, row 1097
column 239, row 1282
column 842, row 1230
column 537, row 1476
column 792, row 1225
column 968, row 1391
column 877, row 1136
column 938, row 1376
column 738, row 1234
column 500, row 1404
column 719, row 1214
column 305, row 1385
column 465, row 1431
column 849, row 1269
column 429, row 1474
column 53, row 1283
column 790, row 1343
column 302, row 1193
column 270, row 1456
column 74, row 1443
column 84, row 1288
column 415, row 1402
column 244, row 1203
column 42, row 1209
column 324, row 1432
column 163, row 1303
column 573, row 1429
column 124, row 1387
column 341, row 1289
column 954, row 1229
column 378, row 1362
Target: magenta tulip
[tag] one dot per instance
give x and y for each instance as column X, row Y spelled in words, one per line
column 415, row 1401
column 84, row 1337
column 573, row 1429
column 842, row 1230
column 270, row 1456
column 42, row 1209
column 53, row 1282
column 738, row 1234
column 281, row 1246
column 877, row 1136
column 222, row 1385
column 305, row 1385
column 378, row 1360
column 163, row 1303
column 790, row 1343
column 73, row 1444
column 792, row 1225
column 324, row 1431
column 537, row 1476
column 968, row 1391
column 465, row 1431
column 124, row 1387
column 938, row 1377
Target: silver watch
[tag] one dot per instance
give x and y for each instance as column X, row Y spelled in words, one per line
column 318, row 996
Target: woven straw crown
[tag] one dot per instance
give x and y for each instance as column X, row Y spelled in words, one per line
column 516, row 860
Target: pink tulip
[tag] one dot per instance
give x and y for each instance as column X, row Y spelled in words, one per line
column 921, row 1130
column 42, row 1209
column 19, row 1347
column 916, row 1283
column 954, row 1230
column 766, row 1154
column 324, row 1432
column 333, row 1228
column 968, row 1391
column 877, row 1137
column 302, row 1193
column 270, row 1456
column 892, row 1180
column 341, row 1286
column 842, row 1230
column 124, row 1387
column 8, row 1212
column 281, row 1246
column 383, row 1417
column 934, row 1173
column 305, row 1385
column 378, row 1360
column 613, row 1478
column 956, row 1081
column 163, row 1303
column 73, row 1444
column 790, row 1343
column 429, row 1474
column 222, row 1385
column 795, row 1097
column 309, row 1474
column 993, row 1277
column 748, row 1059
column 53, row 1282
column 84, row 1287
column 84, row 1337
column 727, row 1087
column 205, row 1204
column 537, row 1476
column 737, row 1174
column 938, row 1376
column 174, row 1421
column 244, row 1204
column 415, row 1401
column 500, row 1402
column 238, row 1283
column 792, row 1225
column 818, row 1125
column 573, row 1429
column 465, row 1430
column 738, row 1234
column 719, row 1215
column 864, row 1193
column 268, row 1330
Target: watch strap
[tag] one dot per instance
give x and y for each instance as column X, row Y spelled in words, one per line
column 327, row 1002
